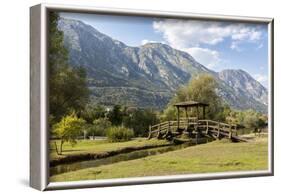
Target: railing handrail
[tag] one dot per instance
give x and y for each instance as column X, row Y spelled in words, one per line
column 218, row 123
column 215, row 126
column 182, row 122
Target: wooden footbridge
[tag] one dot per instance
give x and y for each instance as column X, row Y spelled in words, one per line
column 193, row 127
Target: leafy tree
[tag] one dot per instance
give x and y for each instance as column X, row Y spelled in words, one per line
column 226, row 111
column 67, row 130
column 248, row 119
column 115, row 116
column 67, row 85
column 99, row 127
column 253, row 119
column 169, row 113
column 92, row 112
column 139, row 121
column 232, row 118
column 202, row 89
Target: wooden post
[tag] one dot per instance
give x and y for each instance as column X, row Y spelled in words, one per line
column 178, row 117
column 218, row 134
column 203, row 112
column 197, row 138
column 230, row 131
column 149, row 135
column 197, row 112
column 159, row 128
column 85, row 134
column 186, row 118
column 168, row 130
column 169, row 126
column 207, row 131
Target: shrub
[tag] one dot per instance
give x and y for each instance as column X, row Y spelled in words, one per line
column 118, row 134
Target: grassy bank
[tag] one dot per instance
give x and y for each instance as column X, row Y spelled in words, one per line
column 217, row 156
column 100, row 147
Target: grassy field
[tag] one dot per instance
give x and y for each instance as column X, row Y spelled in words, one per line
column 100, row 146
column 217, row 156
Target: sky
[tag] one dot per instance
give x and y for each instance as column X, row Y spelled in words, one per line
column 216, row 45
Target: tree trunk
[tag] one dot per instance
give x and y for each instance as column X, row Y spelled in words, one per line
column 61, row 147
column 57, row 148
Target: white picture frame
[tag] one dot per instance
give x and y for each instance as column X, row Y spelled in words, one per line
column 39, row 166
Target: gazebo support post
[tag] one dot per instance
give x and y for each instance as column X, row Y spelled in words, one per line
column 192, row 105
column 178, row 117
column 186, row 117
column 203, row 112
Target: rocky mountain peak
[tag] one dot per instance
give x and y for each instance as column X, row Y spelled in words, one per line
column 149, row 75
column 243, row 82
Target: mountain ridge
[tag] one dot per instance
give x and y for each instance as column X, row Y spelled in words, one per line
column 148, row 75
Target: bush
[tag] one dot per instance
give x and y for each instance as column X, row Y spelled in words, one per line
column 118, row 134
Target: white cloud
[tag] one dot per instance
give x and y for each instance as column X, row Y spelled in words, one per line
column 145, row 41
column 235, row 46
column 181, row 33
column 263, row 79
column 185, row 34
column 207, row 57
column 245, row 34
column 192, row 35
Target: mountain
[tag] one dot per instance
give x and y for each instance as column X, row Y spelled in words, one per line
column 149, row 75
column 246, row 87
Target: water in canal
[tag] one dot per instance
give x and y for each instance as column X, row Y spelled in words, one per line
column 62, row 168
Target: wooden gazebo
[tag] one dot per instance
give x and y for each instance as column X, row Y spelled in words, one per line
column 190, row 104
column 190, row 125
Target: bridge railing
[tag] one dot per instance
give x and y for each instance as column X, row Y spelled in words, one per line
column 184, row 123
column 226, row 129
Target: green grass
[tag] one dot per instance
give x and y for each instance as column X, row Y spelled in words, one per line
column 217, row 156
column 100, row 146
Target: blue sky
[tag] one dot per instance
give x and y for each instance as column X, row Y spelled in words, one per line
column 217, row 45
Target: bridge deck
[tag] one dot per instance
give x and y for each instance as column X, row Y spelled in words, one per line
column 193, row 126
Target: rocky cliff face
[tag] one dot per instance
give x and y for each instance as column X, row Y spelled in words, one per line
column 242, row 82
column 148, row 76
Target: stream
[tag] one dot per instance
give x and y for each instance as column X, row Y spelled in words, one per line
column 62, row 168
